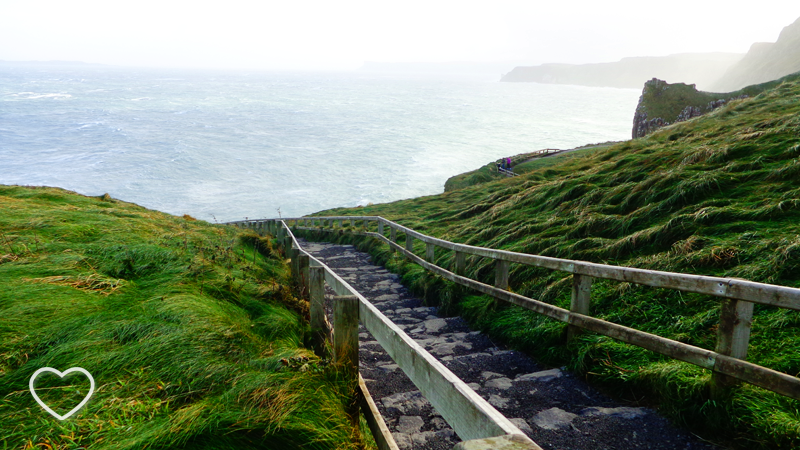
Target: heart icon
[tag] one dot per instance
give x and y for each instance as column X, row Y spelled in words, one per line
column 62, row 375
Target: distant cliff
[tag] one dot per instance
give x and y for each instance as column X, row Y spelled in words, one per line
column 765, row 61
column 662, row 103
column 702, row 69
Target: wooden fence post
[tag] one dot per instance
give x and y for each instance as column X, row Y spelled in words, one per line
column 581, row 300
column 352, row 224
column 393, row 236
column 461, row 262
column 345, row 331
column 430, row 250
column 501, row 273
column 302, row 272
column 380, row 228
column 340, row 223
column 410, row 243
column 345, row 346
column 287, row 246
column 733, row 337
column 319, row 323
column 294, row 254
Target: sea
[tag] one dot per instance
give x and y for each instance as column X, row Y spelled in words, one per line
column 229, row 145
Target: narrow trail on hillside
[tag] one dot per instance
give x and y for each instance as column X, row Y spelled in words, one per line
column 556, row 409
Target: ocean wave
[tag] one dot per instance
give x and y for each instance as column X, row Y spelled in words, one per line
column 140, row 99
column 88, row 125
column 34, row 95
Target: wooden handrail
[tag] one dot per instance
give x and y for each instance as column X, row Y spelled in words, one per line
column 727, row 361
column 468, row 413
column 734, row 288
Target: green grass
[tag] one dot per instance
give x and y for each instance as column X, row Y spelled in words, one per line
column 717, row 195
column 189, row 329
column 522, row 163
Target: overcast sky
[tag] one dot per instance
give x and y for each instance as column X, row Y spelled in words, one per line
column 342, row 34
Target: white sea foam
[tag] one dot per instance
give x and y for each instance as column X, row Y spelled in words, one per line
column 88, row 125
column 34, row 95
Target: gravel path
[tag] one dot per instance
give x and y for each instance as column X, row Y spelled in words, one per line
column 554, row 408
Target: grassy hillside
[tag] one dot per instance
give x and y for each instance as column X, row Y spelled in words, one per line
column 716, row 195
column 188, row 328
column 522, row 163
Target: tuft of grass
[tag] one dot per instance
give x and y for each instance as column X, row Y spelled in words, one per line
column 717, row 195
column 186, row 327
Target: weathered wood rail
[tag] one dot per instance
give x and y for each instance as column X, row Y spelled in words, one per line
column 470, row 416
column 727, row 361
column 506, row 172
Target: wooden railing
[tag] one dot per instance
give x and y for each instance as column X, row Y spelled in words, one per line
column 471, row 417
column 727, row 361
column 506, row 172
column 547, row 151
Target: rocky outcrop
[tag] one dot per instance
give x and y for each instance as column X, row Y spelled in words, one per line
column 662, row 103
column 688, row 113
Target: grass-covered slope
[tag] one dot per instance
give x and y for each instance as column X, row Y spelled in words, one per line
column 522, row 163
column 188, row 329
column 716, row 195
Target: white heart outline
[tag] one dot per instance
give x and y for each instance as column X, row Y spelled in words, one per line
column 62, row 375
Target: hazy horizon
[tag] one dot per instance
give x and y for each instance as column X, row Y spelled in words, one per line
column 343, row 36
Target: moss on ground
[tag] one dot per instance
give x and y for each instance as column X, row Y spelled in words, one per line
column 716, row 195
column 189, row 329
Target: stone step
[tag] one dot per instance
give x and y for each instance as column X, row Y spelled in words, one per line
column 553, row 407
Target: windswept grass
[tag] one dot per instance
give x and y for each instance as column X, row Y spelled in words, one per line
column 522, row 163
column 717, row 195
column 189, row 330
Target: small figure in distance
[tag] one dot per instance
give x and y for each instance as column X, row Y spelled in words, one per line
column 508, row 163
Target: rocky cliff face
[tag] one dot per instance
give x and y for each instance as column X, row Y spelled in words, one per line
column 662, row 103
column 765, row 61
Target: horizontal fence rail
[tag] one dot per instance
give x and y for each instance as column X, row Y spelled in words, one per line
column 506, row 172
column 727, row 361
column 470, row 416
